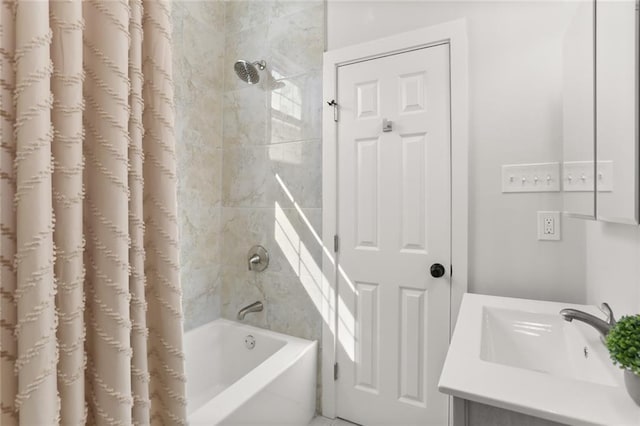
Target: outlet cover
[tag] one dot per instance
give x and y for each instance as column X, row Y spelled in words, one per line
column 548, row 226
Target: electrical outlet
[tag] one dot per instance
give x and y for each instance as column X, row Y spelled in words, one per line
column 548, row 226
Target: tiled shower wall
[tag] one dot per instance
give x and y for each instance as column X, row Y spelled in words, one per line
column 249, row 160
column 271, row 172
column 198, row 76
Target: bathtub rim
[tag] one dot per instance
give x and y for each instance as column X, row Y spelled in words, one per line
column 257, row 379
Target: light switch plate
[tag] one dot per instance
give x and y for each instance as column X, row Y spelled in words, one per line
column 548, row 226
column 577, row 176
column 539, row 177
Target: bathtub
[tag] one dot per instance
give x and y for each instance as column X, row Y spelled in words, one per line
column 231, row 383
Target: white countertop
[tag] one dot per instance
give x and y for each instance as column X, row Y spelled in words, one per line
column 561, row 396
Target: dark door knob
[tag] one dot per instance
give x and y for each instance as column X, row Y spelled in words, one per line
column 437, row 270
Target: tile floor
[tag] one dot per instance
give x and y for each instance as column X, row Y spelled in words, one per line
column 323, row 421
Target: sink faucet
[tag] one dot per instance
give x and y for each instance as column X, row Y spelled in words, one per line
column 254, row 307
column 602, row 326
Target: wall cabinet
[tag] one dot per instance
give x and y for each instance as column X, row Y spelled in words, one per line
column 600, row 115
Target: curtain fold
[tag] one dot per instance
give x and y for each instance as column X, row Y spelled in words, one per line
column 90, row 300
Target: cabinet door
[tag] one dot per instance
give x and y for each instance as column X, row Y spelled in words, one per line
column 578, row 94
column 617, row 110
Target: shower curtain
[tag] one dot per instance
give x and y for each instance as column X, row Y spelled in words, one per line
column 91, row 321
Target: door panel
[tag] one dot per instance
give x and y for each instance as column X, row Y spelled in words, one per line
column 394, row 201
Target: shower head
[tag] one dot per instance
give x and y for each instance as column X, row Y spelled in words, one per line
column 248, row 72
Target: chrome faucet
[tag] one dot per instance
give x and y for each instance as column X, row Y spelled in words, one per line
column 602, row 326
column 254, row 307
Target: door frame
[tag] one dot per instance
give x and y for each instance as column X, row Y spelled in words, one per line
column 454, row 34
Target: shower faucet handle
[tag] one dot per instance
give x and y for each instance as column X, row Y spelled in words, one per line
column 257, row 258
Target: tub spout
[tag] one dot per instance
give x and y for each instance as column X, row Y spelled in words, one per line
column 254, row 307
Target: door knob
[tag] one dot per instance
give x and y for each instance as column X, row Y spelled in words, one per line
column 437, row 270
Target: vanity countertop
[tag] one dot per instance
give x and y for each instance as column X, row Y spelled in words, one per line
column 520, row 355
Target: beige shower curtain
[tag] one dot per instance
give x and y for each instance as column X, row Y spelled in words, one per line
column 91, row 323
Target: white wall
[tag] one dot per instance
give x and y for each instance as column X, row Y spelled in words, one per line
column 613, row 266
column 515, row 78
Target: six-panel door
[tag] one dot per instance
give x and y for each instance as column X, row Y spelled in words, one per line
column 394, row 204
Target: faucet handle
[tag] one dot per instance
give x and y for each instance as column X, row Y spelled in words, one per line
column 606, row 309
column 257, row 258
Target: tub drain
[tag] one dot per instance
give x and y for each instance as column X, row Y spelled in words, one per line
column 250, row 342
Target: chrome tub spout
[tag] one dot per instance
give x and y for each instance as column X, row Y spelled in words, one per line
column 254, row 307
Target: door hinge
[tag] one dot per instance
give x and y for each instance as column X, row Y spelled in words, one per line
column 334, row 104
column 335, row 371
column 336, row 243
column 450, row 270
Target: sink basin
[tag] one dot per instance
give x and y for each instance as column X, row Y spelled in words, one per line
column 521, row 355
column 544, row 343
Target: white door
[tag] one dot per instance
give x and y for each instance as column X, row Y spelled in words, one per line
column 394, row 223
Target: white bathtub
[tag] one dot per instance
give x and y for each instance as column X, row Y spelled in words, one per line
column 272, row 384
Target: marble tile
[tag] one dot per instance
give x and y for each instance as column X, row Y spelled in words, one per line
column 198, row 41
column 245, row 117
column 198, row 73
column 290, row 237
column 295, row 108
column 201, row 310
column 237, row 293
column 201, row 287
column 296, row 42
column 200, row 281
column 178, row 12
column 291, row 283
column 244, row 227
column 296, row 235
column 200, row 244
column 281, row 8
column 299, row 174
column 200, row 181
column 203, row 53
column 198, row 53
column 208, row 12
column 294, row 315
column 261, row 176
column 202, row 122
column 248, row 175
column 243, row 15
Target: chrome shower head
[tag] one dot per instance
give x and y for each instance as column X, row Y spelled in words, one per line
column 248, row 72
